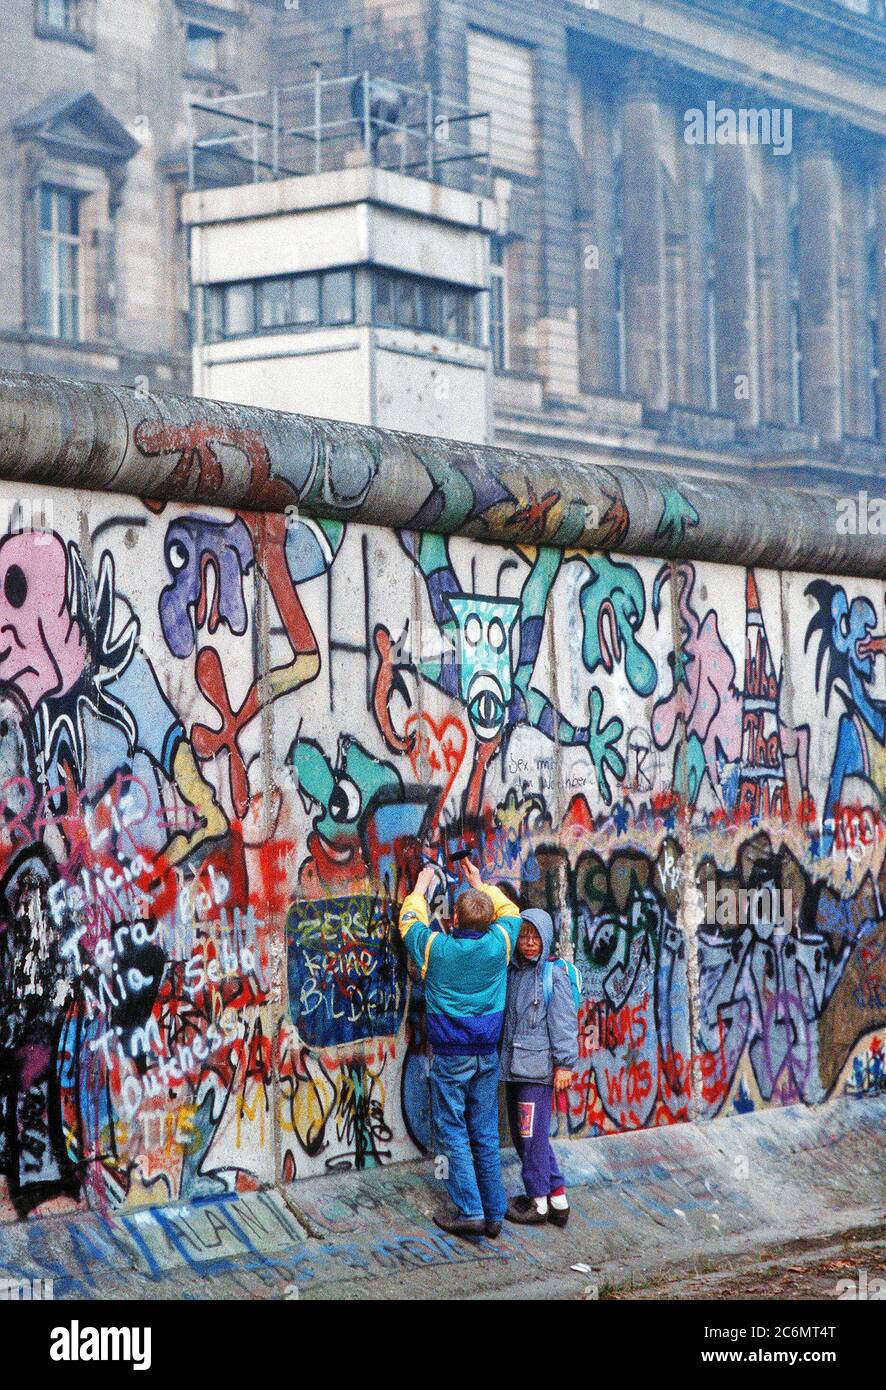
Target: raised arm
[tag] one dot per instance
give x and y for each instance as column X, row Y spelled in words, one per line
column 413, row 923
column 507, row 913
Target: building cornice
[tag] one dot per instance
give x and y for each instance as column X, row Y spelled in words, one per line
column 811, row 28
column 827, row 25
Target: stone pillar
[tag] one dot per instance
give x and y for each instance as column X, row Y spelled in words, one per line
column 774, row 265
column 677, row 304
column 595, row 235
column 30, row 163
column 693, row 181
column 586, row 250
column 643, row 238
column 820, row 229
column 676, row 268
column 556, row 327
column 880, row 196
column 854, row 307
column 735, row 272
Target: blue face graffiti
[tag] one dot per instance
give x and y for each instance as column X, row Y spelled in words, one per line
column 847, row 645
column 207, row 561
column 344, row 793
column 484, row 659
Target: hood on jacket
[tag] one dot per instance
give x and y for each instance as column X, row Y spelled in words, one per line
column 544, row 925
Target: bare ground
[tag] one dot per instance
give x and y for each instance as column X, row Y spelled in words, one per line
column 802, row 1269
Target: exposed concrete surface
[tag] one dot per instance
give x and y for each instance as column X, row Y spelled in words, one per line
column 644, row 1205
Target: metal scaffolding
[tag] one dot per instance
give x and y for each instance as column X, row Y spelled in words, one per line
column 330, row 123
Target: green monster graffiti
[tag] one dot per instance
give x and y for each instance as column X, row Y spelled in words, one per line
column 474, row 658
column 342, row 795
column 613, row 605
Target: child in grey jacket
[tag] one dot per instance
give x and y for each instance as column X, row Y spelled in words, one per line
column 539, row 1053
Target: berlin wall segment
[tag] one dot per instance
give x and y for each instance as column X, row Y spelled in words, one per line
column 229, row 737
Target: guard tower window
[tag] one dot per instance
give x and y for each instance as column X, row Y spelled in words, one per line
column 239, row 314
column 338, row 297
column 384, row 299
column 282, row 302
column 498, row 305
column 429, row 306
column 327, row 299
column 275, row 303
column 305, row 300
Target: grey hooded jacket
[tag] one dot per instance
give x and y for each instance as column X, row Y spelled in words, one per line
column 535, row 1041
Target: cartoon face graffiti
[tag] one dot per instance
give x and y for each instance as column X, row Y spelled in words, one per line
column 631, row 954
column 484, row 645
column 207, row 561
column 42, row 648
column 847, row 645
column 847, row 642
column 344, row 793
column 852, row 633
column 615, row 947
column 613, row 606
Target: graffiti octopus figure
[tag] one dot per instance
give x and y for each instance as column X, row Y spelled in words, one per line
column 474, row 664
column 206, row 557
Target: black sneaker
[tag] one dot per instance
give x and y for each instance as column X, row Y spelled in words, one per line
column 493, row 1229
column 558, row 1218
column 471, row 1228
column 524, row 1212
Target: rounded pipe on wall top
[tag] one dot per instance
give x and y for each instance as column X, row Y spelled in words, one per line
column 186, row 449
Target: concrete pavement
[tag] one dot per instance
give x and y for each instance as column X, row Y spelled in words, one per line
column 643, row 1203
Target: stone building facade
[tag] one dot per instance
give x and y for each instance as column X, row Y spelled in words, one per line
column 690, row 265
column 93, row 131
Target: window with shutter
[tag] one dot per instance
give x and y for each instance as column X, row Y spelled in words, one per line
column 501, row 81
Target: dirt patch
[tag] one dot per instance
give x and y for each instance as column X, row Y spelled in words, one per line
column 850, row 1266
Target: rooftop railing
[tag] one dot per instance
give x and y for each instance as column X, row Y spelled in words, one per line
column 335, row 123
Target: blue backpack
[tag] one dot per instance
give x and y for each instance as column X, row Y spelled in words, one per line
column 574, row 979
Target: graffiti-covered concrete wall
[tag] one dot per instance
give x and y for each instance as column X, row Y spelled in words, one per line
column 229, row 738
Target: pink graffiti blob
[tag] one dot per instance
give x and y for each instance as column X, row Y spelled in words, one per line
column 42, row 649
column 706, row 696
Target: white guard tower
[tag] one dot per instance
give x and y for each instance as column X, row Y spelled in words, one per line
column 346, row 279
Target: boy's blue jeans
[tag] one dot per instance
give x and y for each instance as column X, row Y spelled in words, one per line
column 464, row 1102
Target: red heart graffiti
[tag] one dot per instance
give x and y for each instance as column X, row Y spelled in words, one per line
column 437, row 749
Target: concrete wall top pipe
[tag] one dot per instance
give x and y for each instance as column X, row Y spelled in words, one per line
column 86, row 435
